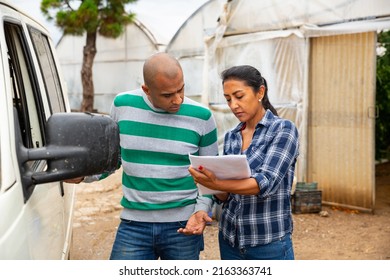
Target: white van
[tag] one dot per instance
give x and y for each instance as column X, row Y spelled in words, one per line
column 42, row 143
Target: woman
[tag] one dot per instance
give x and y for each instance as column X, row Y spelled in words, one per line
column 256, row 220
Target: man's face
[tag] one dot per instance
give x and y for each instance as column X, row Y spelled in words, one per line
column 166, row 94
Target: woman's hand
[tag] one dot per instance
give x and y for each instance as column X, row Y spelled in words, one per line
column 246, row 186
column 204, row 177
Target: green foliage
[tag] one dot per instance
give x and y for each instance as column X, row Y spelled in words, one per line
column 106, row 17
column 382, row 125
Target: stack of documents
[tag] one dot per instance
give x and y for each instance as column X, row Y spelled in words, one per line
column 224, row 167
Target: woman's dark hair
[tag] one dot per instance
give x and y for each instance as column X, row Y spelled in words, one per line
column 252, row 77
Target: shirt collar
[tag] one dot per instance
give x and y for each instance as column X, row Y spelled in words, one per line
column 265, row 121
column 147, row 101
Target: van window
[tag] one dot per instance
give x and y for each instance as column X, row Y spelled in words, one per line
column 25, row 89
column 49, row 70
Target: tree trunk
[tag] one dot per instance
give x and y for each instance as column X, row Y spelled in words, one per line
column 89, row 53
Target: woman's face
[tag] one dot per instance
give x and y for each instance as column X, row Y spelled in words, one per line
column 243, row 101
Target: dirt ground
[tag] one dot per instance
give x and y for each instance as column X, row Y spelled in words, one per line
column 342, row 235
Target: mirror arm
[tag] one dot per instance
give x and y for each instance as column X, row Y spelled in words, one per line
column 50, row 152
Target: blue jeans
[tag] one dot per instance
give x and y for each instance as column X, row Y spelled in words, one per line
column 151, row 241
column 278, row 250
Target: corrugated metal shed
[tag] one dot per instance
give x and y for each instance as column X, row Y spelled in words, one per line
column 341, row 118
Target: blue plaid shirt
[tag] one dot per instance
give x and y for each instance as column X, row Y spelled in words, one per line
column 253, row 220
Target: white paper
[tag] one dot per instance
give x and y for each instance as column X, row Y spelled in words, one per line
column 224, row 167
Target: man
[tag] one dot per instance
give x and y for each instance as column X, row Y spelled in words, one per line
column 163, row 216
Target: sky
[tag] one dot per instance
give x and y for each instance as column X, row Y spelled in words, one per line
column 162, row 17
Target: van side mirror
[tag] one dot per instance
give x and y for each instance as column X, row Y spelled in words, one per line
column 77, row 144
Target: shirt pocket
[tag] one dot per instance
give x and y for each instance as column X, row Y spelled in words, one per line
column 256, row 153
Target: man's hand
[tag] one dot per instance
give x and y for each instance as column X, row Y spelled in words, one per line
column 196, row 223
column 74, row 180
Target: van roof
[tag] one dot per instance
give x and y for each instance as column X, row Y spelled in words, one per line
column 12, row 6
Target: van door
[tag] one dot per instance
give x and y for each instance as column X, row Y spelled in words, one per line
column 35, row 220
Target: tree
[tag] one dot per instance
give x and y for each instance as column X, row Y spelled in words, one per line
column 104, row 17
column 382, row 124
